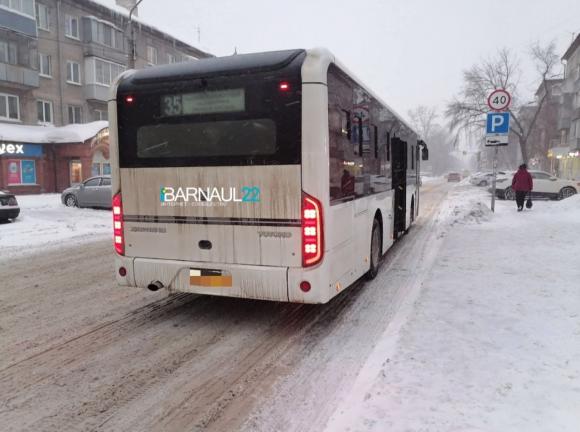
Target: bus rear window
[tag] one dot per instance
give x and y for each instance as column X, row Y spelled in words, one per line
column 222, row 121
column 208, row 139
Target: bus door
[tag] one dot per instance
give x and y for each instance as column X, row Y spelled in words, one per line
column 399, row 164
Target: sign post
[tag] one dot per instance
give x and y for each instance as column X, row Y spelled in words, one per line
column 497, row 130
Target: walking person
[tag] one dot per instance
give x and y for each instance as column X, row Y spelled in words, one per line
column 522, row 184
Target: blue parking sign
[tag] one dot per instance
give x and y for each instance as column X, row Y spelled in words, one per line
column 498, row 123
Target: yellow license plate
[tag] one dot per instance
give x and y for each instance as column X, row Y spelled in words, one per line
column 209, row 278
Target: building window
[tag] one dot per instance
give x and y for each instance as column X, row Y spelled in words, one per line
column 71, row 27
column 45, row 65
column 106, row 72
column 188, row 58
column 73, row 72
column 76, row 172
column 25, row 7
column 171, row 58
column 75, row 114
column 21, row 172
column 101, row 115
column 576, row 128
column 42, row 17
column 9, row 107
column 8, row 52
column 106, row 34
column 151, row 55
column 44, row 110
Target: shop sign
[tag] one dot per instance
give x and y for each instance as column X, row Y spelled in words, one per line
column 29, row 150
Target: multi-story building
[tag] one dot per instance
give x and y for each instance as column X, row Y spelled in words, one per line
column 58, row 59
column 568, row 158
column 545, row 135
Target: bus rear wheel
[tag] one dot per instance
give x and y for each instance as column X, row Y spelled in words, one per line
column 376, row 247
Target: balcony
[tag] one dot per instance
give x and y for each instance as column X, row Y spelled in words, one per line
column 96, row 92
column 564, row 122
column 94, row 49
column 18, row 76
column 18, row 22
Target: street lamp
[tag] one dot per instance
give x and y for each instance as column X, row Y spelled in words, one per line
column 132, row 47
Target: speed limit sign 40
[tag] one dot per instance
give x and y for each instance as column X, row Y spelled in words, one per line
column 499, row 100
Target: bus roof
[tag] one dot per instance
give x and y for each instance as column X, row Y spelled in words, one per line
column 314, row 69
column 320, row 58
column 229, row 65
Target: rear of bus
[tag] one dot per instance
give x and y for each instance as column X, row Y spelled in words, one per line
column 207, row 179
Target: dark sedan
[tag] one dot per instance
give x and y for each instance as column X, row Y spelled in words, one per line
column 94, row 192
column 8, row 206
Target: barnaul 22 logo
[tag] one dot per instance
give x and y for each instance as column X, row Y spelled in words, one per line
column 207, row 196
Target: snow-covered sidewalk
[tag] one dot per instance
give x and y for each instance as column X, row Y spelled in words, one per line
column 45, row 222
column 493, row 341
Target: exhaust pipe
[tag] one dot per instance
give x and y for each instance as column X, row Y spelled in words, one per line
column 155, row 286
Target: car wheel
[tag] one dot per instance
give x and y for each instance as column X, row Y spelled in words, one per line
column 482, row 183
column 376, row 246
column 509, row 194
column 70, row 201
column 566, row 192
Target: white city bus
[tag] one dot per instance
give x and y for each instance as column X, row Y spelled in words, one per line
column 273, row 176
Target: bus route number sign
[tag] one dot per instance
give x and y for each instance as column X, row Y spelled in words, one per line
column 499, row 100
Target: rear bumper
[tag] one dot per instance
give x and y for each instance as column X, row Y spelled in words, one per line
column 256, row 282
column 9, row 213
column 248, row 281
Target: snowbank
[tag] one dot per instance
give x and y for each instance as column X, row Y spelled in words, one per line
column 493, row 342
column 46, row 223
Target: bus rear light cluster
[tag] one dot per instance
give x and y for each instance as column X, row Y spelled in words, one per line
column 118, row 236
column 312, row 235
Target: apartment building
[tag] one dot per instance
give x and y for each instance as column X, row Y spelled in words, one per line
column 568, row 156
column 58, row 59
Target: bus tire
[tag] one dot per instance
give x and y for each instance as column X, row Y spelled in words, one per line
column 376, row 248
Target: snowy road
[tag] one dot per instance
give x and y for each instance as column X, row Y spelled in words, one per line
column 79, row 353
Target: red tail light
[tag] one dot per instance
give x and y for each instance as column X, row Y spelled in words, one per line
column 312, row 231
column 118, row 237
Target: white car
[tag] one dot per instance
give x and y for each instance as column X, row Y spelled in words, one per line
column 484, row 178
column 545, row 186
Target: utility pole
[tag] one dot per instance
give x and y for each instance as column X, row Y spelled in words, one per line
column 132, row 44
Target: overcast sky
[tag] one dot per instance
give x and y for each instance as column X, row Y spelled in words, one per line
column 410, row 52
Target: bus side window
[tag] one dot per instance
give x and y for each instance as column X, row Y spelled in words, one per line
column 346, row 125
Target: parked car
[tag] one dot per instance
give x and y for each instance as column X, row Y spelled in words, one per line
column 8, row 206
column 453, row 177
column 545, row 186
column 484, row 178
column 94, row 192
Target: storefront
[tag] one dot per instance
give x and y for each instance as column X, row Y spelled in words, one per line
column 51, row 159
column 20, row 164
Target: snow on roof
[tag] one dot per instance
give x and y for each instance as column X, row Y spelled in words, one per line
column 120, row 10
column 74, row 133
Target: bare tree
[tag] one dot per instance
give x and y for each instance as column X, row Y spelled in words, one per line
column 440, row 142
column 423, row 119
column 467, row 110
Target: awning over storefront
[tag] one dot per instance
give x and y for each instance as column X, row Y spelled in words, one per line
column 558, row 152
column 75, row 133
